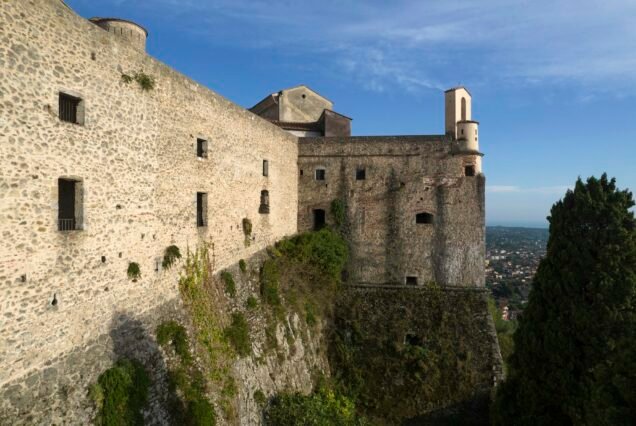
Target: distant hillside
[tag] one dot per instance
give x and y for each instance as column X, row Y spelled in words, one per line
column 513, row 255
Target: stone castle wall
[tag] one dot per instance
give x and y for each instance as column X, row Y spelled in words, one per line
column 65, row 297
column 135, row 155
column 404, row 176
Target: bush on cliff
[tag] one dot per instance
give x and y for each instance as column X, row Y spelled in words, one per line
column 323, row 407
column 123, row 392
column 324, row 249
column 575, row 348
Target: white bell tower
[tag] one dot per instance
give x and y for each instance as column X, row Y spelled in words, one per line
column 459, row 123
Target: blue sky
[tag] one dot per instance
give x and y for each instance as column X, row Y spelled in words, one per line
column 553, row 81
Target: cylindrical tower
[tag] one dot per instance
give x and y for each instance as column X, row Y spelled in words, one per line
column 467, row 135
column 133, row 33
column 468, row 139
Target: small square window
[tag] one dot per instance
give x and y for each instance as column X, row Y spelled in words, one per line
column 411, row 280
column 361, row 173
column 321, row 174
column 71, row 109
column 202, row 148
column 469, row 170
column 424, row 218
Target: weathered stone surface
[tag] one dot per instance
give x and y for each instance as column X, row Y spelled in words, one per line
column 136, row 157
column 404, row 176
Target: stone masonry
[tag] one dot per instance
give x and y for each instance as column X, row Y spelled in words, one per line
column 135, row 156
column 173, row 163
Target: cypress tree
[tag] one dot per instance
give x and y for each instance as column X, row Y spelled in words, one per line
column 575, row 349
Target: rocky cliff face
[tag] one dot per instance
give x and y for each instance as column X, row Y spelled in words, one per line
column 280, row 322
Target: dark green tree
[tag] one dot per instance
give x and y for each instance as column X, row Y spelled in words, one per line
column 574, row 361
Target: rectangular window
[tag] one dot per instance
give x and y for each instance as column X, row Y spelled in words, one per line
column 69, row 205
column 265, row 168
column 202, row 209
column 202, row 148
column 70, row 109
column 411, row 280
column 361, row 173
column 320, row 174
column 469, row 170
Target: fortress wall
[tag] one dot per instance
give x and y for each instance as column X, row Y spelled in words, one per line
column 405, row 175
column 135, row 154
column 425, row 353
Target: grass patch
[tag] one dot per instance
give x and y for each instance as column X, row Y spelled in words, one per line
column 120, row 394
column 242, row 266
column 238, row 334
column 251, row 303
column 230, row 285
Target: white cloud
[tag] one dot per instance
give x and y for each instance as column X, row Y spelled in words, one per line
column 545, row 190
column 430, row 44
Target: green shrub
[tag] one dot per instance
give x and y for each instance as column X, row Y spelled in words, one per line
column 270, row 281
column 338, row 211
column 251, row 303
column 324, row 407
column 238, row 334
column 123, row 390
column 325, row 249
column 230, row 285
column 242, row 266
column 175, row 333
column 145, row 81
column 192, row 408
column 133, row 272
column 170, row 256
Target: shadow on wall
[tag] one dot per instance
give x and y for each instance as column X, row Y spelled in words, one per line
column 473, row 412
column 132, row 340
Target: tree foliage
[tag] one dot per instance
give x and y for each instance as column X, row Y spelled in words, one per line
column 123, row 392
column 575, row 348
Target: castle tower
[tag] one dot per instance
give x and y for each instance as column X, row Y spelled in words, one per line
column 133, row 33
column 459, row 123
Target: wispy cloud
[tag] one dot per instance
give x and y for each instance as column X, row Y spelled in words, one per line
column 420, row 45
column 546, row 190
